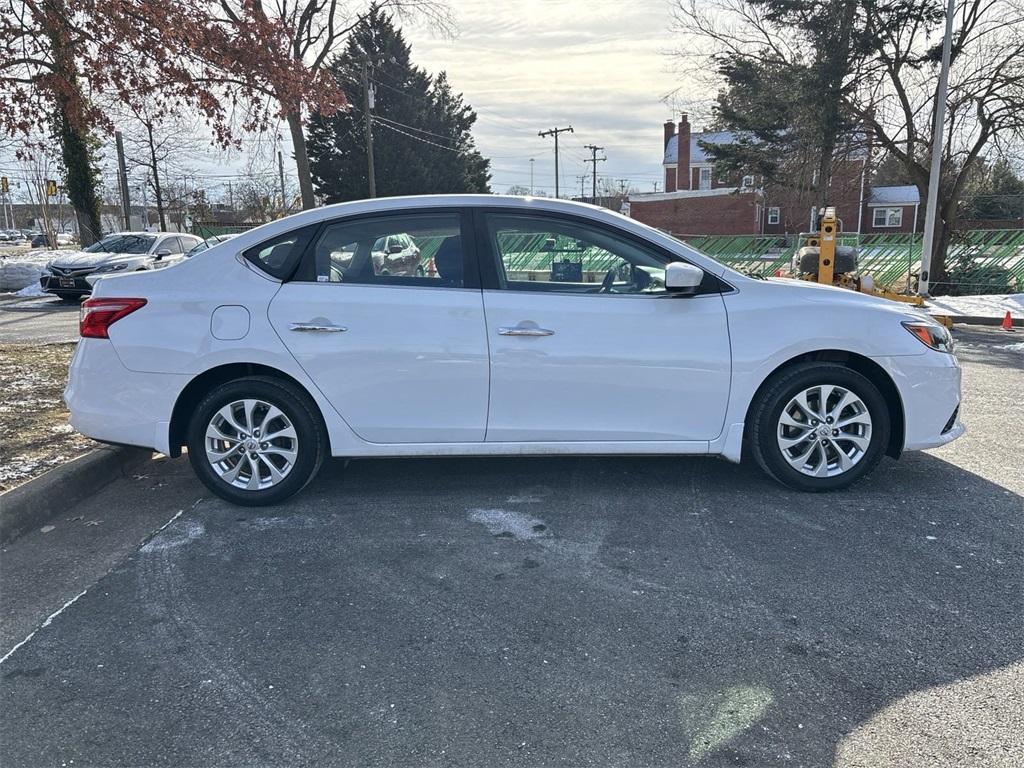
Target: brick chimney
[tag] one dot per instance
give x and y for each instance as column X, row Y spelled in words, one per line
column 670, row 173
column 683, row 160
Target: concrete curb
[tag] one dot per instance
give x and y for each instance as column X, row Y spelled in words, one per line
column 30, row 505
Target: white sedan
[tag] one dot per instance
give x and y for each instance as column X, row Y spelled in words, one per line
column 542, row 327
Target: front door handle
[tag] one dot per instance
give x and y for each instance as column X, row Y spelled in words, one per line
column 524, row 330
column 318, row 328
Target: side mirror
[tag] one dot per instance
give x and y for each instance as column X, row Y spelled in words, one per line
column 683, row 279
column 162, row 252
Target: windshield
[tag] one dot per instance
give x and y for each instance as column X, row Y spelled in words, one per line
column 122, row 244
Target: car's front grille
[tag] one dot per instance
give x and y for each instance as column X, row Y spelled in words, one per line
column 952, row 420
column 71, row 271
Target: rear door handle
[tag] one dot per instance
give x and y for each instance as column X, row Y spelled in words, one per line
column 524, row 330
column 318, row 328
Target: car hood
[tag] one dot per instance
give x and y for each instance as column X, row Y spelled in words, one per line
column 82, row 259
column 805, row 290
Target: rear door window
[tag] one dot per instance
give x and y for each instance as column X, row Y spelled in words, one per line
column 413, row 249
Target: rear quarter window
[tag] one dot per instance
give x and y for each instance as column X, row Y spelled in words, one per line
column 279, row 255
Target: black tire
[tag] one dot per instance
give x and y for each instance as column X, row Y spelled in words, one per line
column 767, row 408
column 301, row 411
column 70, row 298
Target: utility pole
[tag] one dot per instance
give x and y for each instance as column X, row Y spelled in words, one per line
column 554, row 132
column 280, row 171
column 936, row 170
column 582, row 179
column 367, row 111
column 594, row 159
column 122, row 181
column 622, row 186
column 231, row 197
column 531, row 177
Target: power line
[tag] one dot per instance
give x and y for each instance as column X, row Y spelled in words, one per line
column 418, row 138
column 379, row 118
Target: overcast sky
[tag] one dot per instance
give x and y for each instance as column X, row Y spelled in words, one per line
column 529, row 65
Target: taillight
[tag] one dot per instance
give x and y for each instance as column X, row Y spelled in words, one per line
column 97, row 315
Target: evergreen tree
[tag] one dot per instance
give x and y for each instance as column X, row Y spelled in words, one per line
column 422, row 129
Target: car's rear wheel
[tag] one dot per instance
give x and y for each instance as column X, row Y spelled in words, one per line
column 819, row 427
column 256, row 441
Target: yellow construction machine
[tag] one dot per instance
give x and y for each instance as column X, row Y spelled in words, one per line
column 819, row 258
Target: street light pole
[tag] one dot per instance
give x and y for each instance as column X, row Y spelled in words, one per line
column 935, row 176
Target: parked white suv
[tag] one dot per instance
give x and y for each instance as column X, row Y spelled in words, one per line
column 282, row 347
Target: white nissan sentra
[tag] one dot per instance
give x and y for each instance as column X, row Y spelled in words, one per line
column 528, row 327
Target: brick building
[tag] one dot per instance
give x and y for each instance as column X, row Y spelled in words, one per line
column 699, row 201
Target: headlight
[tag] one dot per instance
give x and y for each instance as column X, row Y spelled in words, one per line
column 111, row 268
column 931, row 335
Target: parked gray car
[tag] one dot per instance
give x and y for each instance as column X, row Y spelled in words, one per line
column 65, row 275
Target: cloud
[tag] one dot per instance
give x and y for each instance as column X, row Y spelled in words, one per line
column 529, row 65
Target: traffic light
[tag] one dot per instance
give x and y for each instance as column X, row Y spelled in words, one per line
column 5, row 185
column 51, row 188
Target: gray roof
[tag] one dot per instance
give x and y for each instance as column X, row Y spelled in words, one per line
column 697, row 155
column 903, row 195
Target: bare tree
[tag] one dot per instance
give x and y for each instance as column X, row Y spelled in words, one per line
column 311, row 31
column 161, row 143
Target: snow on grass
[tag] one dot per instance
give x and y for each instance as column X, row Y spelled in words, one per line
column 996, row 305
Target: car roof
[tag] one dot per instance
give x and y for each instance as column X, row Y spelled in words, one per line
column 393, row 204
column 419, row 202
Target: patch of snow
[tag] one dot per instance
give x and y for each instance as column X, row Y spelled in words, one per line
column 294, row 521
column 995, row 305
column 515, row 524
column 1013, row 347
column 16, row 274
column 33, row 289
column 171, row 539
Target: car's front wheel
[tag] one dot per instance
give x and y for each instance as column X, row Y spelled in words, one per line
column 256, row 441
column 819, row 427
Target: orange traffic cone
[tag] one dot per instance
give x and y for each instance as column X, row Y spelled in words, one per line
column 1007, row 324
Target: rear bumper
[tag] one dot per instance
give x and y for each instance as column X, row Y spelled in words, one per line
column 929, row 386
column 112, row 404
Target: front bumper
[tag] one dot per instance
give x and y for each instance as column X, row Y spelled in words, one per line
column 61, row 284
column 929, row 386
column 112, row 404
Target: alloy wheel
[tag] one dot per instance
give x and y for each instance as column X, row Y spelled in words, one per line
column 824, row 430
column 251, row 444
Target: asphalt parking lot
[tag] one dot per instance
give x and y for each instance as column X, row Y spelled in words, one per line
column 528, row 612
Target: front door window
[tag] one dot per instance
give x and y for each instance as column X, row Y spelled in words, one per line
column 554, row 255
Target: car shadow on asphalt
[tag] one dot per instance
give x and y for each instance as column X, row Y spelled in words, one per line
column 647, row 610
